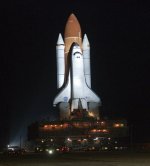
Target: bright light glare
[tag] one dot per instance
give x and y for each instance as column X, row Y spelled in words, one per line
column 77, row 82
column 95, row 138
column 91, row 114
column 50, row 151
column 69, row 139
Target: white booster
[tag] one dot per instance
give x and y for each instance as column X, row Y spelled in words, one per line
column 86, row 59
column 60, row 61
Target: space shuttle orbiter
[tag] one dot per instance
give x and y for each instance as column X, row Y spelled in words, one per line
column 74, row 73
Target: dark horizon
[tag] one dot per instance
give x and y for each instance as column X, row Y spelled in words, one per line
column 118, row 33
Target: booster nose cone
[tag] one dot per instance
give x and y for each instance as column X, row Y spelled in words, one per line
column 85, row 44
column 72, row 33
column 60, row 40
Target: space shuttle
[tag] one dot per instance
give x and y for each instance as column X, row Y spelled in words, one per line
column 74, row 74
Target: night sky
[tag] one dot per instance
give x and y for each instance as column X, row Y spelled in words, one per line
column 119, row 34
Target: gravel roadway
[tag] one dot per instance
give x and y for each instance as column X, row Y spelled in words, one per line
column 79, row 159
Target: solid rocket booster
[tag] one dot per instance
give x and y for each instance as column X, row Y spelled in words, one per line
column 60, row 59
column 86, row 57
column 73, row 70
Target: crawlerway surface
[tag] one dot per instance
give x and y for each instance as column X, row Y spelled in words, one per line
column 79, row 158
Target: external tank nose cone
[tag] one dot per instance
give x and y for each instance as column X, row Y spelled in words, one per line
column 72, row 33
column 72, row 28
